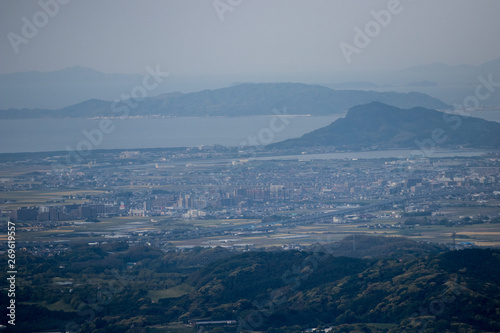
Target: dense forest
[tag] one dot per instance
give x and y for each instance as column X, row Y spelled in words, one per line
column 369, row 284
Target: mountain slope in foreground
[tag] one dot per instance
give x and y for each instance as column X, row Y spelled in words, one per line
column 448, row 292
column 383, row 285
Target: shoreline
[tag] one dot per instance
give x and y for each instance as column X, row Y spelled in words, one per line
column 175, row 117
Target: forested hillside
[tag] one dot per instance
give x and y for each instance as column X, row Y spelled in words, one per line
column 114, row 287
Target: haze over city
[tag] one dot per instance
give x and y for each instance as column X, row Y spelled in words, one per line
column 276, row 40
column 247, row 166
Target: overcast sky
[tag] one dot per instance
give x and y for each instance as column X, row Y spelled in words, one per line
column 190, row 37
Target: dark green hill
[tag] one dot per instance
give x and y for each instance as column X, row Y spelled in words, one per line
column 275, row 291
column 363, row 246
column 377, row 125
column 445, row 292
column 240, row 100
column 251, row 275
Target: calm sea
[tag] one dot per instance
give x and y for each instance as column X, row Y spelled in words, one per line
column 35, row 135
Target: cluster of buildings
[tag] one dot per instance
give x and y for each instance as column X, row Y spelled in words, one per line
column 64, row 212
column 211, row 184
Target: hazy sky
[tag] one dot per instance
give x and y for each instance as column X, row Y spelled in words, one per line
column 189, row 37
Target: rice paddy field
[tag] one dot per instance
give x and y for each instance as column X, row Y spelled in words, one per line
column 246, row 233
column 14, row 199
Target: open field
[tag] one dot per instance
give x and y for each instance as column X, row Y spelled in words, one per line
column 57, row 306
column 40, row 197
column 480, row 234
column 171, row 328
column 10, row 172
column 173, row 292
column 241, row 232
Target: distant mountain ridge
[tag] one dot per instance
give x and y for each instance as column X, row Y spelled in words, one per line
column 437, row 67
column 377, row 125
column 62, row 87
column 240, row 100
